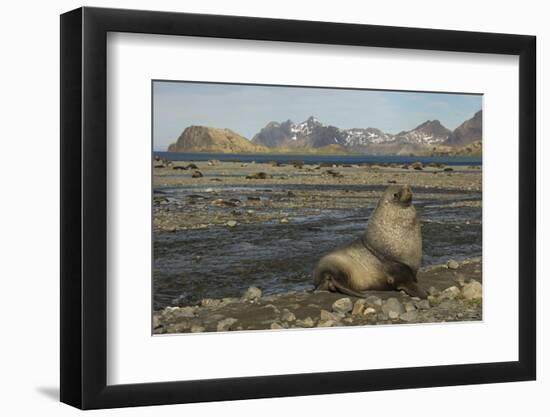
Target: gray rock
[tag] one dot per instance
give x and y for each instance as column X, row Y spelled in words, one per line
column 423, row 304
column 288, row 315
column 231, row 223
column 252, row 294
column 226, row 324
column 392, row 307
column 328, row 323
column 276, row 326
column 409, row 316
column 343, row 305
column 452, row 264
column 156, row 321
column 197, row 174
column 472, row 290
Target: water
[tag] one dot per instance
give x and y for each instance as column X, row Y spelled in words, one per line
column 317, row 159
column 222, row 262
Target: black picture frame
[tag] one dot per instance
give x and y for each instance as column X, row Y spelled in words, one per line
column 84, row 207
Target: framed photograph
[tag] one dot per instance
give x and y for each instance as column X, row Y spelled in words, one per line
column 258, row 208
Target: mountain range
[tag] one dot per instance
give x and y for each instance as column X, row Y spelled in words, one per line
column 312, row 135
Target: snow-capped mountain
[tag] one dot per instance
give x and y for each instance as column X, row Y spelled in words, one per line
column 431, row 132
column 311, row 133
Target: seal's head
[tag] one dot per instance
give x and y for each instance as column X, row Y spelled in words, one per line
column 398, row 194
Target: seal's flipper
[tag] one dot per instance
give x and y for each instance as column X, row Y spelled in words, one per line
column 402, row 277
column 413, row 289
column 399, row 272
column 333, row 279
column 348, row 291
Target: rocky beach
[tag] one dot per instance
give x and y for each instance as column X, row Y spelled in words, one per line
column 235, row 243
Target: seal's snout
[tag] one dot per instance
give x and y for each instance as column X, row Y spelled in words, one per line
column 404, row 195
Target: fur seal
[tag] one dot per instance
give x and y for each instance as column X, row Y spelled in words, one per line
column 386, row 257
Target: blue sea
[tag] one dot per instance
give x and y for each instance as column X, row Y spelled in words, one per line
column 317, row 159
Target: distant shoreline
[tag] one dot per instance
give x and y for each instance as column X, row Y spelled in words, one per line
column 312, row 158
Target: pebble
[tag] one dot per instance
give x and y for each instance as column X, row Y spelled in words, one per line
column 409, row 307
column 447, row 304
column 423, row 304
column 197, row 329
column 392, row 307
column 358, row 307
column 232, row 223
column 409, row 316
column 276, row 326
column 434, row 291
column 472, row 290
column 373, row 301
column 393, row 314
column 327, row 315
column 226, row 324
column 275, row 309
column 452, row 264
column 369, row 310
column 288, row 315
column 342, row 305
column 307, row 322
column 179, row 327
column 450, row 293
column 382, row 316
column 210, row 302
column 328, row 323
column 252, row 294
column 460, row 280
column 156, row 321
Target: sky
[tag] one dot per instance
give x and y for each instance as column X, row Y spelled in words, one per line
column 246, row 109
